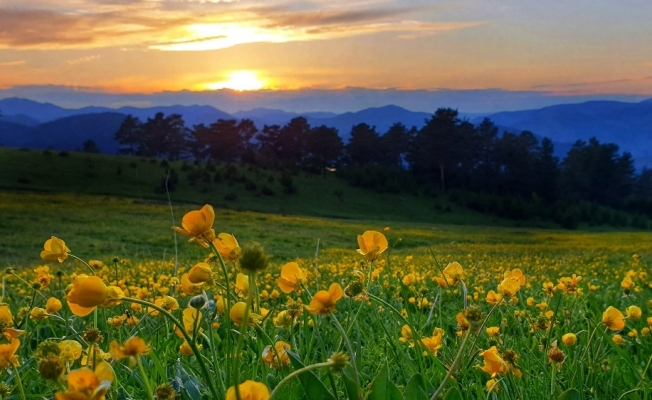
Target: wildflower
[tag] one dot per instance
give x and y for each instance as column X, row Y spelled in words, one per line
column 323, row 302
column 8, row 357
column 188, row 287
column 133, row 347
column 283, row 320
column 185, row 349
column 627, row 284
column 292, row 277
column 38, row 314
column 372, row 244
column 493, row 298
column 43, row 276
column 117, row 321
column 191, row 318
column 569, row 339
column 168, row 303
column 453, row 273
column 492, row 385
column 70, row 350
column 198, row 225
column 509, row 287
column 434, row 342
column 87, row 293
column 556, row 356
column 634, row 312
column 618, row 339
column 249, row 390
column 54, row 249
column 237, row 314
column 493, row 331
column 569, row 284
column 493, row 362
column 84, row 384
column 409, row 279
column 242, row 284
column 613, row 319
column 278, row 356
column 200, row 273
column 227, row 246
column 95, row 264
column 53, row 305
column 339, row 360
column 406, row 335
column 253, row 259
column 165, row 392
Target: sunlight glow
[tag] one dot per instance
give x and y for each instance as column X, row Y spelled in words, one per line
column 238, row 80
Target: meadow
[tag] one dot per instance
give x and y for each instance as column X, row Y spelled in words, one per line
column 102, row 299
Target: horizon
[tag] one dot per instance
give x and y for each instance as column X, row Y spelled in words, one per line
column 544, row 53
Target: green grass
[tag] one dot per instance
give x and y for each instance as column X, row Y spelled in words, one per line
column 137, row 178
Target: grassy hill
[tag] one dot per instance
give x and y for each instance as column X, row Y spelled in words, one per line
column 225, row 186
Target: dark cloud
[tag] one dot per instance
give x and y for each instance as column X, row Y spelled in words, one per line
column 48, row 29
column 278, row 18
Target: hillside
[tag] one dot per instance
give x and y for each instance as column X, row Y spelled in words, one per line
column 225, row 186
column 627, row 124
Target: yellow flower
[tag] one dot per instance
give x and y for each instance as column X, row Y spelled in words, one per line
column 569, row 339
column 433, row 343
column 618, row 339
column 634, row 312
column 409, row 279
column 509, row 287
column 493, row 362
column 8, row 357
column 117, row 321
column 406, row 335
column 516, row 274
column 190, row 318
column 453, row 273
column 227, row 246
column 323, row 302
column 372, row 244
column 613, row 319
column 113, row 296
column 53, row 305
column 292, row 277
column 70, row 350
column 87, row 293
column 54, row 249
column 278, row 356
column 133, row 347
column 237, row 314
column 38, row 314
column 167, row 303
column 200, row 273
column 493, row 331
column 198, row 225
column 241, row 284
column 249, row 390
column 185, row 349
column 493, row 298
column 492, row 385
column 84, row 384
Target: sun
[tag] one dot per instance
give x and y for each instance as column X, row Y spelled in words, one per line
column 238, row 80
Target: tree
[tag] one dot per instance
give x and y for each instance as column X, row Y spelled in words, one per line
column 164, row 136
column 225, row 140
column 364, row 145
column 438, row 147
column 324, row 148
column 90, row 147
column 285, row 145
column 394, row 145
column 595, row 172
column 129, row 135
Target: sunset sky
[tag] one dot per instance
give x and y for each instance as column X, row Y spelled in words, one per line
column 569, row 47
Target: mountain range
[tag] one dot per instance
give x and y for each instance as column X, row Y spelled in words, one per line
column 31, row 124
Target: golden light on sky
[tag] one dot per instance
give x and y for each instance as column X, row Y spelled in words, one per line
column 238, row 80
column 144, row 46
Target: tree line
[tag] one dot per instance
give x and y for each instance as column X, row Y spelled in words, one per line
column 448, row 154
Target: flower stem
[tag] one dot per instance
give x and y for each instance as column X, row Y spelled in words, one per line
column 297, row 372
column 19, row 382
column 144, row 378
column 453, row 366
column 207, row 375
column 351, row 353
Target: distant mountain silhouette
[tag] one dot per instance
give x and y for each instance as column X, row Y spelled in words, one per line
column 627, row 124
column 26, row 123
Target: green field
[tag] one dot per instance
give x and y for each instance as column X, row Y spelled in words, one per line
column 400, row 326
